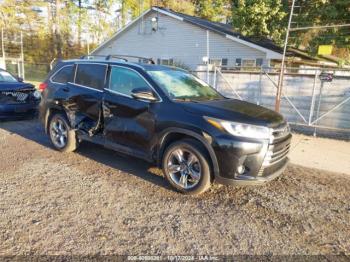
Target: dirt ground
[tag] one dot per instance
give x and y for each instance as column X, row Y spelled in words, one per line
column 95, row 201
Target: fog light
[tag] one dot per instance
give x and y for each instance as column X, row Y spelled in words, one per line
column 240, row 169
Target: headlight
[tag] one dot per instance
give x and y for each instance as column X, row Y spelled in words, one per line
column 239, row 129
column 37, row 94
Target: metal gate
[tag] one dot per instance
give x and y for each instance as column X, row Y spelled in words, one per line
column 312, row 97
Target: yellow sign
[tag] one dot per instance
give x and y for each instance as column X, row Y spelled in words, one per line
column 325, row 49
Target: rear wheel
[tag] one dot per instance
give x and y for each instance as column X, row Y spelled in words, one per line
column 186, row 167
column 62, row 136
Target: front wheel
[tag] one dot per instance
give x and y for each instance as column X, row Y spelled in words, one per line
column 186, row 167
column 62, row 136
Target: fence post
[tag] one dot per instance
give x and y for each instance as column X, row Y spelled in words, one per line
column 319, row 105
column 312, row 105
column 260, row 87
column 215, row 77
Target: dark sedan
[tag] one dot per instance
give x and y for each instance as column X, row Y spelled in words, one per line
column 17, row 99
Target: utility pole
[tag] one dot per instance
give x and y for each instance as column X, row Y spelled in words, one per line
column 22, row 57
column 3, row 47
column 79, row 23
column 281, row 75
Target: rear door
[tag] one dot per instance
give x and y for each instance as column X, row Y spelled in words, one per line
column 84, row 105
column 129, row 123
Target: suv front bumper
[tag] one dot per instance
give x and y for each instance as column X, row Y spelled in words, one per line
column 261, row 161
column 251, row 180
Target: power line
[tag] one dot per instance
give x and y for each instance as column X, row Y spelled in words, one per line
column 318, row 27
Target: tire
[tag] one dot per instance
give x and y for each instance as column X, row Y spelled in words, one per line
column 187, row 172
column 59, row 126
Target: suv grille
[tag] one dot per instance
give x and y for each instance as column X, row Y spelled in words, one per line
column 280, row 132
column 276, row 153
column 278, row 149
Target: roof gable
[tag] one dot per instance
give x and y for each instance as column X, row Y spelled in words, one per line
column 264, row 45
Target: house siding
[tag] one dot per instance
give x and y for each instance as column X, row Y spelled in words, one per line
column 179, row 40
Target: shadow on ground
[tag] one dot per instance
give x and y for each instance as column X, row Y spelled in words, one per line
column 33, row 130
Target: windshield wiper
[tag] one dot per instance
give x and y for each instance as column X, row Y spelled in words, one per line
column 183, row 99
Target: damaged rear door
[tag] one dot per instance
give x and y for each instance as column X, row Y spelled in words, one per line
column 84, row 104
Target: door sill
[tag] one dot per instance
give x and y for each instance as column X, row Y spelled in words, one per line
column 100, row 140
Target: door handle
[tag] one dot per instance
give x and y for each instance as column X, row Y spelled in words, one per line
column 65, row 89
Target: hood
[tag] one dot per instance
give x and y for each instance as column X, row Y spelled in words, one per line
column 236, row 110
column 15, row 86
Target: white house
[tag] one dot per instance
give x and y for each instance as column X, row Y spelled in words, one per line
column 169, row 37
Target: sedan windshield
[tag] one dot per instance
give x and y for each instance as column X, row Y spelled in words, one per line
column 183, row 86
column 6, row 77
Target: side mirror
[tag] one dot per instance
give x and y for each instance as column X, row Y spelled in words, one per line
column 144, row 93
column 19, row 79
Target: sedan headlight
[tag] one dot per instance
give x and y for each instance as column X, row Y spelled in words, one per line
column 239, row 129
column 37, row 94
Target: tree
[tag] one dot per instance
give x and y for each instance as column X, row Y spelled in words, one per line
column 323, row 12
column 214, row 10
column 260, row 18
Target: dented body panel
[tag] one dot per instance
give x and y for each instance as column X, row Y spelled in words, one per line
column 144, row 128
column 83, row 106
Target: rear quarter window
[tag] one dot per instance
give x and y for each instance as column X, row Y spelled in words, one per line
column 63, row 75
column 91, row 75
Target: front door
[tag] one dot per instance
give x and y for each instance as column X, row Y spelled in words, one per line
column 129, row 123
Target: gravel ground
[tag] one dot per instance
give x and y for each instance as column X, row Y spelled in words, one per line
column 95, row 201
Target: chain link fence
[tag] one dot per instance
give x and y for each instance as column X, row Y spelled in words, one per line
column 313, row 98
column 34, row 72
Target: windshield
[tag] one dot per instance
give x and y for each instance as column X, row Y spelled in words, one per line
column 181, row 85
column 6, row 77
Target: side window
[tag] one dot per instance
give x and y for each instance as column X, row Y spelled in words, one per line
column 124, row 80
column 91, row 75
column 224, row 63
column 238, row 62
column 64, row 75
column 259, row 62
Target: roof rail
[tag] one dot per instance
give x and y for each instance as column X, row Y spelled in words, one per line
column 149, row 60
column 121, row 57
column 106, row 57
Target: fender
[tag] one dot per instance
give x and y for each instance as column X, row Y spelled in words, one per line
column 189, row 133
column 54, row 107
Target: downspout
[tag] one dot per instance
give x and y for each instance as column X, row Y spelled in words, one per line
column 208, row 53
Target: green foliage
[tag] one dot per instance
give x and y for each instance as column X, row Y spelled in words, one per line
column 214, row 10
column 63, row 27
column 323, row 12
column 260, row 18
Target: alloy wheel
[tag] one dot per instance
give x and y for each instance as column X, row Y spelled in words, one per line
column 59, row 133
column 184, row 168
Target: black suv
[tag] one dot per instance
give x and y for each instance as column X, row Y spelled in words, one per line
column 164, row 115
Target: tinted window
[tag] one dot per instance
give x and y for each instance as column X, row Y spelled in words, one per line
column 64, row 75
column 91, row 75
column 125, row 80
